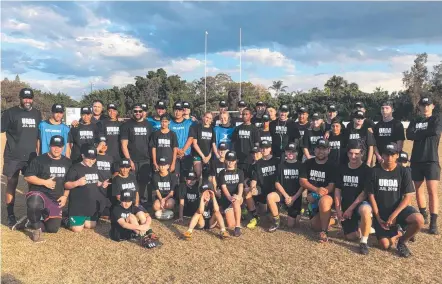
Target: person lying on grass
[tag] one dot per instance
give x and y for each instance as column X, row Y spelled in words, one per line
column 208, row 215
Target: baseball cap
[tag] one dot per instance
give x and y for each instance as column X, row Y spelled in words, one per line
column 322, row 143
column 242, row 103
column 222, row 103
column 126, row 195
column 425, row 101
column 222, row 146
column 231, row 156
column 57, row 141
column 137, row 106
column 403, row 157
column 144, row 107
column 387, row 103
column 191, row 175
column 315, row 116
column 291, row 147
column 359, row 114
column 100, row 139
column 165, row 117
column 178, row 105
column 354, row 144
column 162, row 161
column 57, row 108
column 85, row 110
column 26, row 93
column 265, row 144
column 160, row 104
column 302, row 110
column 255, row 149
column 111, row 106
column 265, row 118
column 206, row 186
column 391, row 148
column 186, row 105
column 284, row 108
column 332, row 108
column 359, row 104
column 260, row 103
column 89, row 151
column 124, row 163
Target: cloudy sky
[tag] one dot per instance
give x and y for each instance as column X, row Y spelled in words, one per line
column 63, row 46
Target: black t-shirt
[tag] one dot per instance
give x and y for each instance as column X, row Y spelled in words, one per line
column 302, row 128
column 265, row 135
column 237, row 121
column 351, row 182
column 128, row 183
column 389, row 188
column 310, row 139
column 368, row 123
column 216, row 166
column 283, row 132
column 81, row 135
column 363, row 135
column 216, row 121
column 83, row 199
column 425, row 132
column 21, row 127
column 244, row 138
column 191, row 196
column 45, row 167
column 231, row 179
column 138, row 135
column 164, row 143
column 265, row 173
column 111, row 130
column 257, row 121
column 106, row 166
column 119, row 212
column 205, row 136
column 319, row 175
column 288, row 176
column 338, row 148
column 387, row 132
column 164, row 184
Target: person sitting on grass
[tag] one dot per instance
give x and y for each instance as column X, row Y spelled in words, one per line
column 207, row 215
column 164, row 184
column 124, row 180
column 216, row 166
column 127, row 222
column 189, row 195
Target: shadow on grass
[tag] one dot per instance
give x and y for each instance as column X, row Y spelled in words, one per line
column 10, row 279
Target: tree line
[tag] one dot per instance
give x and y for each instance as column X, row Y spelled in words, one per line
column 418, row 81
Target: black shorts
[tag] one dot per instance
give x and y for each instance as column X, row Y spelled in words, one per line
column 11, row 167
column 352, row 225
column 400, row 220
column 118, row 234
column 295, row 209
column 137, row 209
column 428, row 171
column 260, row 198
column 183, row 166
column 143, row 171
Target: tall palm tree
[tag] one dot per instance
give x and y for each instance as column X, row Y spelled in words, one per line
column 278, row 87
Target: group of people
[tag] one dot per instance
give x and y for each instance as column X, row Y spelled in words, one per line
column 224, row 170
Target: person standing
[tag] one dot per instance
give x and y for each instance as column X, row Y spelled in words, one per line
column 425, row 133
column 338, row 143
column 203, row 137
column 237, row 120
column 53, row 126
column 260, row 109
column 110, row 128
column 303, row 124
column 311, row 136
column 223, row 133
column 84, row 133
column 264, row 132
column 164, row 144
column 357, row 130
column 283, row 131
column 160, row 109
column 222, row 107
column 21, row 126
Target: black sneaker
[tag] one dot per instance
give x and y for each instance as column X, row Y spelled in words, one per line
column 274, row 226
column 426, row 219
column 363, row 249
column 433, row 229
column 37, row 236
column 65, row 222
column 403, row 249
column 237, row 232
column 21, row 223
column 12, row 221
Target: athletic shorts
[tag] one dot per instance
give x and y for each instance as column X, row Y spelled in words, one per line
column 400, row 220
column 51, row 209
column 183, row 166
column 352, row 225
column 197, row 159
column 427, row 171
column 295, row 209
column 137, row 209
column 10, row 167
column 118, row 234
column 143, row 171
column 79, row 220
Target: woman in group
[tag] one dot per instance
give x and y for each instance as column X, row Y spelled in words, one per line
column 203, row 137
column 164, row 184
column 232, row 185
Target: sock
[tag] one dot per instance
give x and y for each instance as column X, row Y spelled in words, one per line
column 191, row 230
column 223, row 229
column 276, row 219
column 364, row 240
column 433, row 218
column 423, row 211
column 254, row 213
column 10, row 209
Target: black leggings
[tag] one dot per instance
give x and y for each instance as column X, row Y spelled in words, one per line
column 36, row 211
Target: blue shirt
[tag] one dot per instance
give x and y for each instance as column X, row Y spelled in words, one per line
column 182, row 132
column 156, row 124
column 223, row 134
column 46, row 130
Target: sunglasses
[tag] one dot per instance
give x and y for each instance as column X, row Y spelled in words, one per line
column 138, row 111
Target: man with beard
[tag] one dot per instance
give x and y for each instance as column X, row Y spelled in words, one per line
column 311, row 136
column 283, row 131
column 260, row 108
column 160, row 109
column 110, row 128
column 357, row 131
column 97, row 113
column 338, row 143
column 135, row 135
column 21, row 126
column 84, row 133
column 303, row 124
column 53, row 126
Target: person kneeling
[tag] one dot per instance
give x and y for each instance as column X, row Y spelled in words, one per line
column 164, row 184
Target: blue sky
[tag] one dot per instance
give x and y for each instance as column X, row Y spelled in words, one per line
column 63, row 46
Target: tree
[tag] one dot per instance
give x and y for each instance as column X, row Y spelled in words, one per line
column 278, row 87
column 415, row 78
column 336, row 85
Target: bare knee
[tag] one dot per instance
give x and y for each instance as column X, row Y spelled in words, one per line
column 384, row 243
column 156, row 205
column 77, row 229
column 272, row 197
column 90, row 224
column 325, row 203
column 416, row 219
column 170, row 203
column 365, row 211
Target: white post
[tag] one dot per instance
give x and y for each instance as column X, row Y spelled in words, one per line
column 205, row 72
column 240, row 64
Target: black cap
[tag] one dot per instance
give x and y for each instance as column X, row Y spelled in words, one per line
column 265, row 144
column 124, row 163
column 354, row 144
column 403, row 157
column 165, row 117
column 26, row 93
column 242, row 103
column 425, row 101
column 302, row 110
column 162, row 161
column 100, row 138
column 291, row 147
column 144, row 106
column 186, row 105
column 206, row 186
column 160, row 104
column 336, row 120
column 322, row 143
column 191, row 176
column 111, row 106
column 359, row 104
column 127, row 195
column 387, row 103
column 284, row 108
column 57, row 140
column 178, row 105
column 137, row 106
column 255, row 149
column 359, row 114
column 223, row 146
column 231, row 156
column 391, row 148
column 332, row 108
column 222, row 103
column 57, row 108
column 85, row 110
column 89, row 151
column 316, row 116
column 265, row 118
column 260, row 103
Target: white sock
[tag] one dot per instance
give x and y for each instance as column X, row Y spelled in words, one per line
column 364, row 240
column 223, row 229
column 190, row 230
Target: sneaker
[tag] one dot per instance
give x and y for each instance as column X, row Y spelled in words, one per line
column 11, row 221
column 65, row 222
column 153, row 236
column 21, row 224
column 237, row 232
column 323, row 237
column 187, row 235
column 253, row 223
column 363, row 248
column 274, row 226
column 37, row 236
column 403, row 249
column 372, row 231
column 426, row 218
column 224, row 234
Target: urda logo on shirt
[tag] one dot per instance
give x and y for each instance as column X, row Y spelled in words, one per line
column 385, row 131
column 317, row 176
column 91, row 178
column 206, row 135
column 291, row 173
column 128, row 186
column 140, row 131
column 335, row 144
column 28, row 122
column 164, row 143
column 268, row 171
column 112, row 130
column 244, row 134
column 281, row 129
column 232, row 179
column 86, row 134
column 192, row 196
column 422, row 126
column 354, row 136
column 351, row 181
column 164, row 186
column 57, row 171
column 388, row 184
column 103, row 165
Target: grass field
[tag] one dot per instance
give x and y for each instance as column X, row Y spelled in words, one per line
column 286, row 256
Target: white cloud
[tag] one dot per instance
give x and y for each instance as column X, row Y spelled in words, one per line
column 15, row 25
column 26, row 41
column 185, row 65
